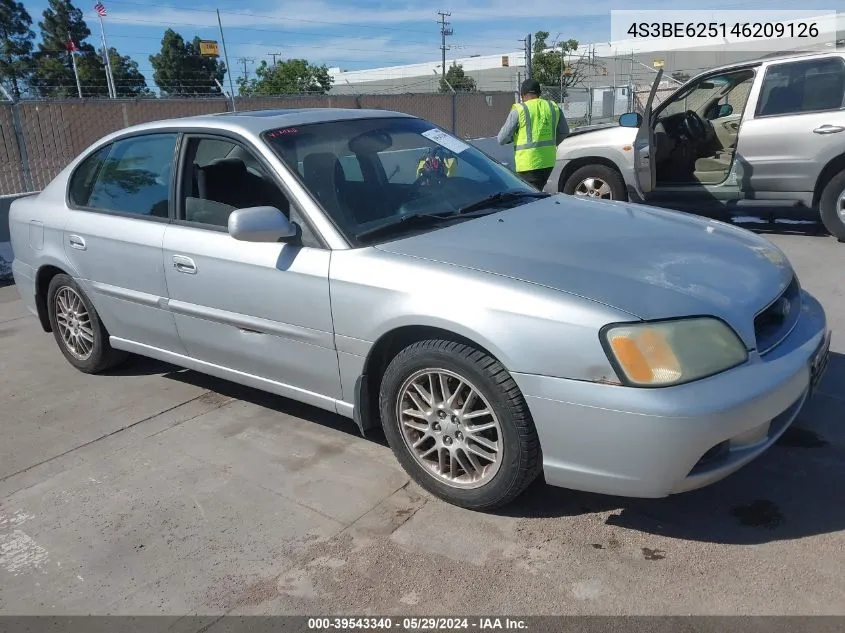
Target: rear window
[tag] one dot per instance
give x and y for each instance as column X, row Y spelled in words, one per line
column 815, row 85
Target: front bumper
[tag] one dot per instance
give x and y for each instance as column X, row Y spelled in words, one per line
column 655, row 442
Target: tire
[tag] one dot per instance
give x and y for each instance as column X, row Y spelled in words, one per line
column 486, row 483
column 832, row 206
column 84, row 340
column 607, row 176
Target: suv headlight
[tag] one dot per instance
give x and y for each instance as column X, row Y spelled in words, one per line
column 664, row 353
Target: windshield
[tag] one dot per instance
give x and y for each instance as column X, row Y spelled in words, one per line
column 367, row 173
column 696, row 96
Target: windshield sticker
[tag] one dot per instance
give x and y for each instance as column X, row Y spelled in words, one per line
column 445, row 140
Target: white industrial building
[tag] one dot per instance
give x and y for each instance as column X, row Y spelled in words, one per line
column 622, row 64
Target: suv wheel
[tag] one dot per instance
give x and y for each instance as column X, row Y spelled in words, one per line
column 832, row 206
column 458, row 424
column 596, row 181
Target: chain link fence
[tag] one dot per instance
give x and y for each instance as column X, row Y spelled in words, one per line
column 39, row 138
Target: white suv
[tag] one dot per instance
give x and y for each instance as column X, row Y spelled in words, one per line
column 765, row 133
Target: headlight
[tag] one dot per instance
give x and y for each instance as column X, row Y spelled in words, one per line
column 664, row 353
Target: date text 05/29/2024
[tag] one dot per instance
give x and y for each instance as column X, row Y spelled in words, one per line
column 416, row 624
column 692, row 30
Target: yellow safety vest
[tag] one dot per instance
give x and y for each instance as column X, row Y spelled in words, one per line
column 535, row 146
column 450, row 163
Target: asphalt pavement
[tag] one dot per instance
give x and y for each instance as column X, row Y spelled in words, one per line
column 155, row 490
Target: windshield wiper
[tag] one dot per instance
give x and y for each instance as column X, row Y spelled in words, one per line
column 404, row 222
column 502, row 196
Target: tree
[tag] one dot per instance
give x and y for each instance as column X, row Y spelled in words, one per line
column 181, row 70
column 63, row 23
column 557, row 66
column 128, row 80
column 458, row 79
column 16, row 38
column 294, row 76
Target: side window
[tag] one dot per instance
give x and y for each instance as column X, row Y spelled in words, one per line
column 82, row 180
column 738, row 97
column 221, row 176
column 814, row 85
column 134, row 177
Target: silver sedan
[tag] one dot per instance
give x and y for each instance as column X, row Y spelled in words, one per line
column 371, row 264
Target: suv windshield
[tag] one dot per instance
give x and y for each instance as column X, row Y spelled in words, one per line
column 696, row 96
column 370, row 174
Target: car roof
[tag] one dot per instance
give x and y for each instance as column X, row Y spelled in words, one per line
column 257, row 121
column 779, row 56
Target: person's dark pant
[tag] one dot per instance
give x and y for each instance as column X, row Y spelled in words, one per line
column 536, row 177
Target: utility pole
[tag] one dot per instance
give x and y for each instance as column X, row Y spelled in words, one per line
column 528, row 52
column 274, row 56
column 445, row 31
column 244, row 61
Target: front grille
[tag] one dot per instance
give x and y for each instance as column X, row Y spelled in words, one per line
column 776, row 321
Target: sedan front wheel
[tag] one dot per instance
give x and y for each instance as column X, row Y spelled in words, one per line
column 458, row 424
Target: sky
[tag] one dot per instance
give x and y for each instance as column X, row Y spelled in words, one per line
column 360, row 34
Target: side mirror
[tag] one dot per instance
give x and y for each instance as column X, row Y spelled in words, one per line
column 631, row 119
column 724, row 110
column 261, row 224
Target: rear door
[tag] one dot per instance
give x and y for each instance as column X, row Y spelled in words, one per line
column 797, row 127
column 119, row 204
column 644, row 164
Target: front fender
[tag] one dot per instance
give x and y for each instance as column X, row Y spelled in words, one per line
column 528, row 328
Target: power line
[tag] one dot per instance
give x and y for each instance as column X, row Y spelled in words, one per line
column 244, row 61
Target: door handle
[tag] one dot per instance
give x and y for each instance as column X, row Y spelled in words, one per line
column 184, row 264
column 76, row 242
column 829, row 129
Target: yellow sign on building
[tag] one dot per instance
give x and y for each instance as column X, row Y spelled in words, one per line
column 208, row 48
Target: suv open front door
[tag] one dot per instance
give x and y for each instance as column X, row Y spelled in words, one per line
column 644, row 145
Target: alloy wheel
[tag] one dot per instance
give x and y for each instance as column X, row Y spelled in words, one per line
column 450, row 428
column 594, row 188
column 74, row 323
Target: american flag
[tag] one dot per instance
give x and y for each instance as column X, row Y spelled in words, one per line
column 71, row 46
column 100, row 9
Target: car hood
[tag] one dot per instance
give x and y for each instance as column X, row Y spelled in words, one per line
column 651, row 263
column 585, row 129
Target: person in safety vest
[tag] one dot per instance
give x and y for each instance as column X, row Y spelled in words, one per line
column 535, row 127
column 436, row 164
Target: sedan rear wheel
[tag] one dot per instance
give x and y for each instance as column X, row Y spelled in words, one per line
column 77, row 328
column 458, row 424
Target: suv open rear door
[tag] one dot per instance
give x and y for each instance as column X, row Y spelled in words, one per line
column 644, row 145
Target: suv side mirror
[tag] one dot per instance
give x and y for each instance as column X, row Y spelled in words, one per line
column 261, row 224
column 725, row 109
column 630, row 119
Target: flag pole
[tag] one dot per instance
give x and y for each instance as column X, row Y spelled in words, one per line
column 72, row 45
column 109, row 76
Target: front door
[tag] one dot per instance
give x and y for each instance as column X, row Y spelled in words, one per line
column 798, row 126
column 118, row 209
column 644, row 150
column 259, row 309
